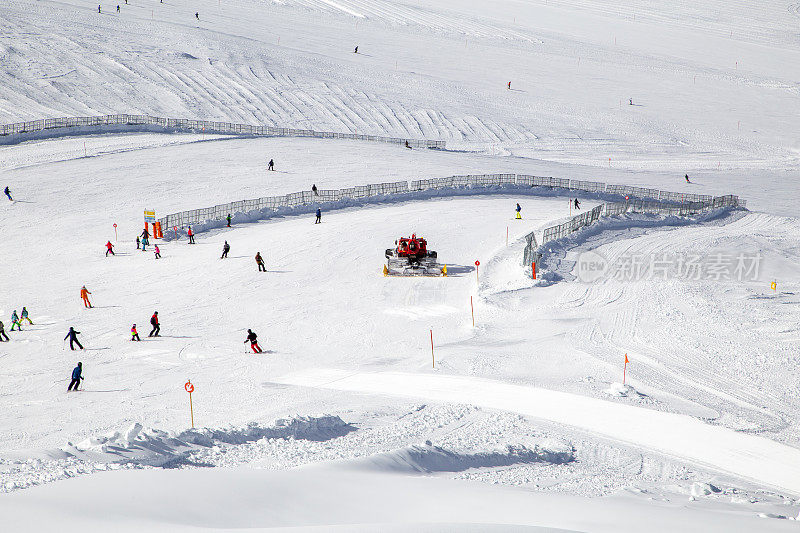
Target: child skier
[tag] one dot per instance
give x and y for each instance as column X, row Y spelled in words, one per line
column 76, row 377
column 519, row 212
column 15, row 321
column 228, row 218
column 135, row 334
column 157, row 252
column 24, row 316
column 190, row 233
column 3, row 333
column 109, row 249
column 252, row 337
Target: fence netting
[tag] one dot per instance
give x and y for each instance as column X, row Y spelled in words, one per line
column 197, row 126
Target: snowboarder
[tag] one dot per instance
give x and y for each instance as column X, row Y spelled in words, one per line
column 252, row 337
column 356, row 50
column 519, row 212
column 76, row 377
column 134, row 334
column 24, row 316
column 228, row 218
column 155, row 332
column 3, row 333
column 408, row 145
column 509, row 86
column 190, row 233
column 8, row 193
column 319, row 216
column 15, row 321
column 687, row 178
column 73, row 338
column 260, row 262
column 109, row 248
column 314, row 189
column 157, row 252
column 577, row 204
column 145, row 238
column 85, row 296
column 137, row 242
column 225, row 249
column 271, row 165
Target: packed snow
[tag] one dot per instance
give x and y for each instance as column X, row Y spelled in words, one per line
column 377, row 403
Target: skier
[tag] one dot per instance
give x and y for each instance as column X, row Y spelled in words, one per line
column 314, row 189
column 109, row 248
column 137, row 242
column 519, row 212
column 76, row 377
column 630, row 101
column 190, row 233
column 687, row 178
column 3, row 333
column 577, row 204
column 225, row 249
column 134, row 334
column 197, row 16
column 24, row 316
column 15, row 321
column 260, row 262
column 356, row 50
column 252, row 337
column 319, row 216
column 509, row 86
column 155, row 332
column 157, row 252
column 8, row 193
column 228, row 218
column 271, row 165
column 145, row 238
column 85, row 295
column 117, row 9
column 73, row 338
column 98, row 9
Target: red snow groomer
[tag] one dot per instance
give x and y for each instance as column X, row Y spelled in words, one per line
column 411, row 257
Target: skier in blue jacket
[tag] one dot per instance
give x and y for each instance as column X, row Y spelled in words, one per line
column 76, row 377
column 15, row 321
column 319, row 216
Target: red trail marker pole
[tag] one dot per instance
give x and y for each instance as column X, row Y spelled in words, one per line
column 190, row 389
column 477, row 277
column 473, row 311
column 625, row 369
column 433, row 359
column 115, row 232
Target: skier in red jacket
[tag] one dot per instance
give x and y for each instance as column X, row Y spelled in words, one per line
column 109, row 248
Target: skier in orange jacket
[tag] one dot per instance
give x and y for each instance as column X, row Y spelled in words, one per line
column 85, row 295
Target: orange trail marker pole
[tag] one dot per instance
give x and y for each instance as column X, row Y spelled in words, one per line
column 625, row 369
column 473, row 311
column 190, row 388
column 433, row 359
column 533, row 269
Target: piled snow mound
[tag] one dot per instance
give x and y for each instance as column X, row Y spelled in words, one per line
column 429, row 458
column 703, row 489
column 159, row 448
column 623, row 391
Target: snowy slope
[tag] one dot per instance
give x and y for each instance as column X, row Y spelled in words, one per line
column 712, row 361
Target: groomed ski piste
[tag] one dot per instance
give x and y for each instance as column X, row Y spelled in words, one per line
column 348, row 421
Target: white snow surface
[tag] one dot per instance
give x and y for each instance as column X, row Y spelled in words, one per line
column 344, row 423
